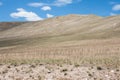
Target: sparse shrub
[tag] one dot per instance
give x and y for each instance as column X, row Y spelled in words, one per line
column 13, row 62
column 65, row 74
column 18, row 79
column 49, row 71
column 41, row 64
column 64, row 70
column 4, row 72
column 77, row 65
column 17, row 70
column 99, row 68
column 117, row 70
column 95, row 78
column 8, row 66
column 39, row 78
column 92, row 67
column 90, row 75
column 32, row 66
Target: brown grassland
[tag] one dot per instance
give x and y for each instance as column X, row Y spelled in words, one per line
column 84, row 52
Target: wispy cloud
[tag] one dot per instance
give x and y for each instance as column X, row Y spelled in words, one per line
column 22, row 13
column 62, row 2
column 112, row 14
column 1, row 3
column 49, row 15
column 36, row 4
column 57, row 3
column 116, row 7
column 112, row 3
column 46, row 8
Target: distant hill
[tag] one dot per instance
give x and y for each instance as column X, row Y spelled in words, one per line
column 60, row 29
column 9, row 25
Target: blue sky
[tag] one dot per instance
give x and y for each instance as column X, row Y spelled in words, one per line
column 33, row 10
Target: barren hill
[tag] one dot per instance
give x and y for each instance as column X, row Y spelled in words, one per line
column 61, row 29
column 9, row 25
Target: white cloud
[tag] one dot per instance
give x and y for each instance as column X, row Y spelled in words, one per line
column 57, row 3
column 36, row 4
column 49, row 15
column 46, row 8
column 116, row 7
column 62, row 2
column 113, row 14
column 1, row 3
column 112, row 3
column 22, row 13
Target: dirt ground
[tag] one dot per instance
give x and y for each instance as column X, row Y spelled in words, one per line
column 57, row 72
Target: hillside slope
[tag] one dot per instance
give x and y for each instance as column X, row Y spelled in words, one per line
column 61, row 29
column 9, row 25
column 53, row 26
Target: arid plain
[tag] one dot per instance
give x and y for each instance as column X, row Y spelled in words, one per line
column 72, row 47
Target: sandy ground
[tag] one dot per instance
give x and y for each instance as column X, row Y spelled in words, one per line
column 57, row 72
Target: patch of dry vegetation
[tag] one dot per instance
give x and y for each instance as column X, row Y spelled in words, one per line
column 90, row 52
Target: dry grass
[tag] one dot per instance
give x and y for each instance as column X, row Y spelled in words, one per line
column 89, row 52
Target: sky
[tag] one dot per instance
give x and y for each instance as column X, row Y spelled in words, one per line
column 34, row 10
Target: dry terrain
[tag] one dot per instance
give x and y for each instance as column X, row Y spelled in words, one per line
column 72, row 47
column 57, row 72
